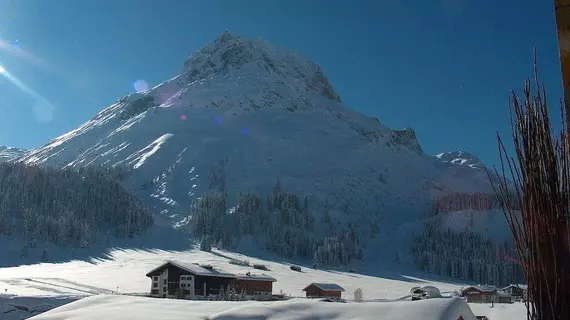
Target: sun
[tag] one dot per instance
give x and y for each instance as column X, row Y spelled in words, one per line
column 2, row 69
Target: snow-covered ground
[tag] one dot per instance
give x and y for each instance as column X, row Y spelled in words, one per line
column 513, row 311
column 125, row 272
column 121, row 307
column 26, row 290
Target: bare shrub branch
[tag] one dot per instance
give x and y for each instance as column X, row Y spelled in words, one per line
column 538, row 213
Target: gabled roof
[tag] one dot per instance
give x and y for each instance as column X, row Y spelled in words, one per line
column 194, row 269
column 207, row 272
column 258, row 277
column 326, row 287
column 519, row 286
column 486, row 289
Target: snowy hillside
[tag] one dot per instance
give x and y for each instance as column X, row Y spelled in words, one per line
column 252, row 143
column 124, row 270
column 273, row 115
column 44, row 286
column 10, row 153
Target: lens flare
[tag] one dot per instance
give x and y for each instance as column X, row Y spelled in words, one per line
column 42, row 110
column 140, row 85
column 15, row 44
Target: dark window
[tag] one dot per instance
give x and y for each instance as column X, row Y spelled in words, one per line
column 155, row 278
column 164, row 281
column 182, row 278
column 155, row 285
column 154, row 291
column 183, row 285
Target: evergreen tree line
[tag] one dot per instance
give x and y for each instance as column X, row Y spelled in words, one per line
column 466, row 255
column 68, row 207
column 283, row 220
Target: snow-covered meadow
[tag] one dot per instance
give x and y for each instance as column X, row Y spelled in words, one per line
column 110, row 285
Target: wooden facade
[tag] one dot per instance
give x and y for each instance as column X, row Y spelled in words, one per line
column 316, row 290
column 517, row 292
column 176, row 280
column 479, row 294
column 258, row 289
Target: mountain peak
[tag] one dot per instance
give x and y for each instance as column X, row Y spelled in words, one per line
column 408, row 138
column 230, row 52
column 10, row 153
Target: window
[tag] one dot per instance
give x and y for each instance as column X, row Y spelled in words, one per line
column 155, row 278
column 155, row 285
column 183, row 285
column 164, row 281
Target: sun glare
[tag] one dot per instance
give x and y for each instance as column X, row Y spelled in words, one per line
column 2, row 69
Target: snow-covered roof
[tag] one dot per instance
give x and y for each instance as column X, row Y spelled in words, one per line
column 485, row 288
column 115, row 307
column 198, row 270
column 194, row 269
column 326, row 287
column 520, row 286
column 258, row 277
column 430, row 291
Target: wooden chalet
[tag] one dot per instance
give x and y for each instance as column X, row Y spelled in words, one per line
column 323, row 290
column 480, row 294
column 175, row 279
column 519, row 292
column 258, row 287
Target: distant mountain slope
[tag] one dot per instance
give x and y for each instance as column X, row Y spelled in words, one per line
column 245, row 114
column 10, row 153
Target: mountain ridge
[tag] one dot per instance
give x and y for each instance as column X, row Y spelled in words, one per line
column 10, row 153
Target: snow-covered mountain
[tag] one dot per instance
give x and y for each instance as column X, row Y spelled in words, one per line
column 10, row 153
column 271, row 115
column 461, row 158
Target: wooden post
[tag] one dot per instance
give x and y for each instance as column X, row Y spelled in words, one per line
column 562, row 12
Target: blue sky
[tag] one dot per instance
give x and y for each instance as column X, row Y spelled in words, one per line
column 442, row 67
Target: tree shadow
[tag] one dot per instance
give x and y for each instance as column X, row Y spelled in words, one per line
column 157, row 238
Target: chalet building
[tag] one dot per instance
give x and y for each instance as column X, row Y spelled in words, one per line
column 175, row 279
column 519, row 292
column 258, row 287
column 480, row 294
column 323, row 290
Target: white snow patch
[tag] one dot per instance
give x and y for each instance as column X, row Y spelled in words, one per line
column 154, row 146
